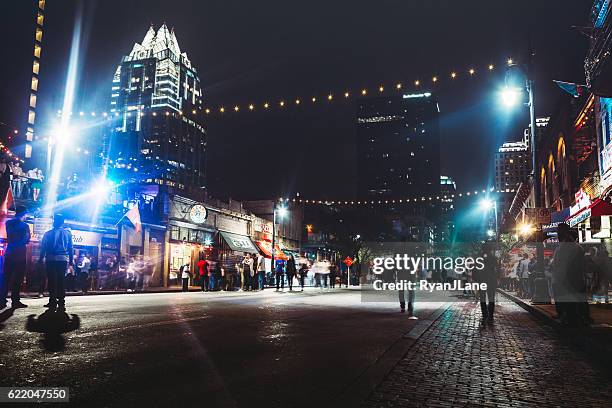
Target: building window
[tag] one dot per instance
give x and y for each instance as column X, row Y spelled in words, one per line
column 174, row 233
column 35, row 67
column 31, row 117
column 39, row 33
column 37, row 50
column 32, row 100
column 40, row 18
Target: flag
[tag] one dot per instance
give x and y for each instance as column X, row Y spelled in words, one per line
column 8, row 202
column 571, row 88
column 134, row 216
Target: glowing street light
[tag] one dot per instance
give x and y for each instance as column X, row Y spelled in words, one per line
column 525, row 229
column 510, row 96
column 281, row 212
column 487, row 204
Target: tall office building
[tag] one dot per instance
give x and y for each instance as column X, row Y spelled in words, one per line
column 398, row 146
column 398, row 149
column 157, row 135
column 511, row 166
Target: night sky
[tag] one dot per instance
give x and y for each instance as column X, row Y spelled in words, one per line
column 257, row 51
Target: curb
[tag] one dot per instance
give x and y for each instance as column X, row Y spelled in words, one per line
column 360, row 388
column 584, row 339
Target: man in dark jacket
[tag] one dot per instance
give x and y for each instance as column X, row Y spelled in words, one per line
column 489, row 275
column 18, row 237
column 56, row 250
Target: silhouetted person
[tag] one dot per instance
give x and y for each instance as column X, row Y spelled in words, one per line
column 18, row 237
column 488, row 275
column 56, row 250
column 290, row 271
column 568, row 272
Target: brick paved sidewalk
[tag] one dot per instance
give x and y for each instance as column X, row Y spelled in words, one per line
column 515, row 363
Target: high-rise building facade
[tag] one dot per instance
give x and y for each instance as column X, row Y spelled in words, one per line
column 511, row 166
column 156, row 101
column 398, row 146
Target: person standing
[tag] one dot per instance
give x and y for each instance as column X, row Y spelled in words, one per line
column 57, row 253
column 568, row 271
column 261, row 271
column 84, row 269
column 604, row 268
column 203, row 271
column 247, row 268
column 291, row 271
column 280, row 281
column 18, row 237
column 333, row 268
column 406, row 296
column 302, row 274
column 185, row 277
column 523, row 274
column 217, row 274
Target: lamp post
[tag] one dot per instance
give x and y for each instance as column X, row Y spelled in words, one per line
column 281, row 211
column 486, row 204
column 510, row 97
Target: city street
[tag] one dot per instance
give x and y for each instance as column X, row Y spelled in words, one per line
column 291, row 349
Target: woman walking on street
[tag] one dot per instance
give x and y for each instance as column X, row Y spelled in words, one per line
column 291, row 271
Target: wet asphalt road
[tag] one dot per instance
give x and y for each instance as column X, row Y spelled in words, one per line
column 201, row 349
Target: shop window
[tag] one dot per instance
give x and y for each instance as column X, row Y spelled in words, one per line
column 174, row 233
column 193, row 235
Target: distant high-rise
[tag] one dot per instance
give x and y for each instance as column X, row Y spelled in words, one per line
column 511, row 166
column 157, row 135
column 398, row 146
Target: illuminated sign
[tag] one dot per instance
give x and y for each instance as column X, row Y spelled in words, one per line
column 582, row 201
column 198, row 213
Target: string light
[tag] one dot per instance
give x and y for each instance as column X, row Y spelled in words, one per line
column 348, row 93
column 445, row 198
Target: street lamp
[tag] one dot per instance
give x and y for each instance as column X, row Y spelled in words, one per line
column 279, row 210
column 486, row 204
column 541, row 290
column 510, row 96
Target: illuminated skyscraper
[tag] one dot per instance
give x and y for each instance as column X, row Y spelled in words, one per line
column 156, row 100
column 38, row 34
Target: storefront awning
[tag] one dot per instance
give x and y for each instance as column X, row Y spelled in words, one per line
column 266, row 248
column 597, row 209
column 239, row 243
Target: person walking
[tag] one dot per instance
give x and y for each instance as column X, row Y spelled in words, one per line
column 303, row 271
column 291, row 271
column 18, row 237
column 280, row 281
column 488, row 275
column 406, row 296
column 57, row 253
column 261, row 271
column 185, row 277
